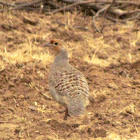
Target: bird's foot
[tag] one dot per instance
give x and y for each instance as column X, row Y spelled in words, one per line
column 66, row 114
column 61, row 111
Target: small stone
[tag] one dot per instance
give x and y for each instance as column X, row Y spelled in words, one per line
column 112, row 85
column 98, row 133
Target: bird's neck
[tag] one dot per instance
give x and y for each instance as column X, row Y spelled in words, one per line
column 61, row 58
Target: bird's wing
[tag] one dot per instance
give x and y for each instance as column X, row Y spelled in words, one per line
column 69, row 83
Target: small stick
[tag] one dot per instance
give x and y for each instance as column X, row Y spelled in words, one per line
column 113, row 1
column 107, row 2
column 46, row 97
column 7, row 4
column 72, row 5
column 97, row 14
column 33, row 108
column 128, row 19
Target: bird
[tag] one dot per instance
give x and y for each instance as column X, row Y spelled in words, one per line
column 67, row 85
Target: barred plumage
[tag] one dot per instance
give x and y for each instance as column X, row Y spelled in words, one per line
column 66, row 82
column 67, row 85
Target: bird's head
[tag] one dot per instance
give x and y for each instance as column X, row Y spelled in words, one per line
column 56, row 45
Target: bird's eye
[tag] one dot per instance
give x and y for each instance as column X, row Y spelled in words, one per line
column 55, row 43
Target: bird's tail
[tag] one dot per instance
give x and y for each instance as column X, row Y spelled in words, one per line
column 76, row 107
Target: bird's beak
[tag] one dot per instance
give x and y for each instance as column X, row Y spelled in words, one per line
column 48, row 45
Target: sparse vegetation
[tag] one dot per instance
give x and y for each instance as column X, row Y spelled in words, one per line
column 110, row 61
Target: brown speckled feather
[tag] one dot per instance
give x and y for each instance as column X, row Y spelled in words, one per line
column 68, row 81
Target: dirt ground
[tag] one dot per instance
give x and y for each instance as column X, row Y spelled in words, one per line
column 110, row 62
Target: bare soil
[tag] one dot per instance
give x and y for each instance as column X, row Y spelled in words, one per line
column 110, row 62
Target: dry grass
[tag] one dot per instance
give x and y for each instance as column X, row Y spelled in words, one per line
column 28, row 50
column 22, row 57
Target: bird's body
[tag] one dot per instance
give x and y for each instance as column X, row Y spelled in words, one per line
column 68, row 85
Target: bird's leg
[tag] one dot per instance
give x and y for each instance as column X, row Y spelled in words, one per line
column 66, row 114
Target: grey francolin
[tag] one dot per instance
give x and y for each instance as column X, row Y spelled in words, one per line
column 67, row 85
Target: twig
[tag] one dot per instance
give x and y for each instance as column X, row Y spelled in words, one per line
column 92, row 4
column 96, row 52
column 29, row 21
column 7, row 4
column 120, row 12
column 46, row 97
column 53, row 4
column 30, row 4
column 25, row 8
column 97, row 14
column 72, row 5
column 109, row 7
column 128, row 19
column 121, row 2
column 18, row 3
column 33, row 108
column 23, row 5
column 133, row 18
column 106, row 2
column 97, row 7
